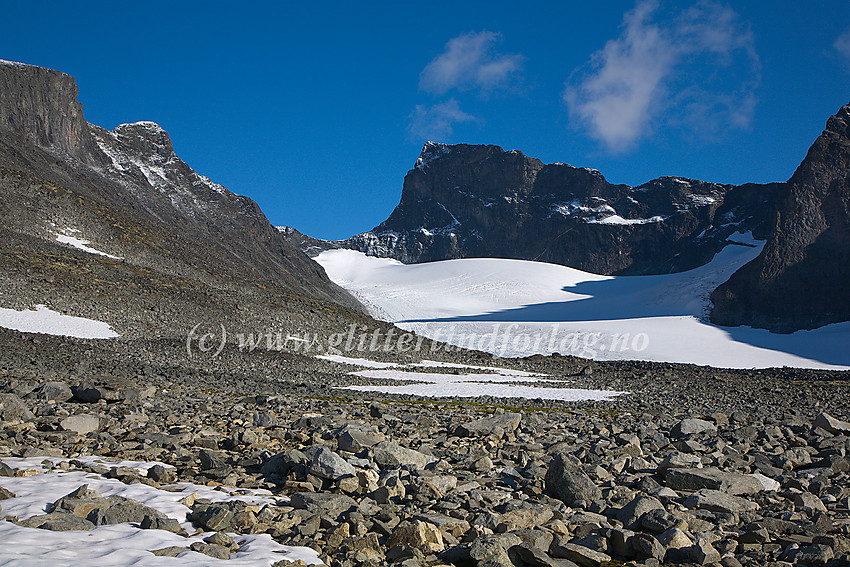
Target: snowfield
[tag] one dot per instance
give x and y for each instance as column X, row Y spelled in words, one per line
column 517, row 308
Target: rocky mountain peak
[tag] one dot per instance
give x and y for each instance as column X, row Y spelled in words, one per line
column 801, row 280
column 146, row 138
column 39, row 106
column 430, row 152
column 463, row 201
column 840, row 122
column 126, row 193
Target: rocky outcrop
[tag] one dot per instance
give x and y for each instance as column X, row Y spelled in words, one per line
column 463, row 201
column 801, row 280
column 40, row 105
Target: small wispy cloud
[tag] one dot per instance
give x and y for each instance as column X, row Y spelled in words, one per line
column 470, row 61
column 842, row 45
column 436, row 122
column 677, row 71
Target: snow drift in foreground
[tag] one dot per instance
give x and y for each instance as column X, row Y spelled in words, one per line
column 44, row 320
column 120, row 545
column 518, row 308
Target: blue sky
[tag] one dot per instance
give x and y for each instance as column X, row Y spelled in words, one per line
column 317, row 110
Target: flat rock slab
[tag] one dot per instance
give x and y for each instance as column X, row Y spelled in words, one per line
column 81, row 424
column 692, row 426
column 322, row 502
column 713, row 479
column 830, row 424
column 717, row 501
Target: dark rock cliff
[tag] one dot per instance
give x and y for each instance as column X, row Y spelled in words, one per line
column 801, row 280
column 464, row 201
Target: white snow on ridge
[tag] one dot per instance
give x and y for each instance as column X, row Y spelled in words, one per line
column 617, row 219
column 44, row 320
column 601, row 214
column 519, row 308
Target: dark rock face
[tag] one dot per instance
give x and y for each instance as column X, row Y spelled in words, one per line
column 466, row 201
column 128, row 194
column 41, row 105
column 801, row 280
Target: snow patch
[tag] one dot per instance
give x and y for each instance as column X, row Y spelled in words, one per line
column 65, row 238
column 121, row 544
column 617, row 219
column 702, row 200
column 49, row 322
column 470, row 385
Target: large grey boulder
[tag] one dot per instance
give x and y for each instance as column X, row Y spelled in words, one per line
column 329, row 465
column 631, row 513
column 52, row 391
column 98, row 511
column 12, row 408
column 81, row 424
column 568, row 483
column 692, row 426
column 57, row 522
column 389, row 455
column 355, row 440
column 832, row 425
column 325, row 503
column 492, row 550
column 714, row 479
column 496, row 425
column 578, row 554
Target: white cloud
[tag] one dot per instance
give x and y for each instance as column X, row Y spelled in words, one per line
column 436, row 122
column 470, row 61
column 673, row 72
column 842, row 45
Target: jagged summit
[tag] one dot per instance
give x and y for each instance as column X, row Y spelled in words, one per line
column 465, row 200
column 430, row 152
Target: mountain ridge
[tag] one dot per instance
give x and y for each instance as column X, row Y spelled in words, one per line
column 125, row 193
column 481, row 201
